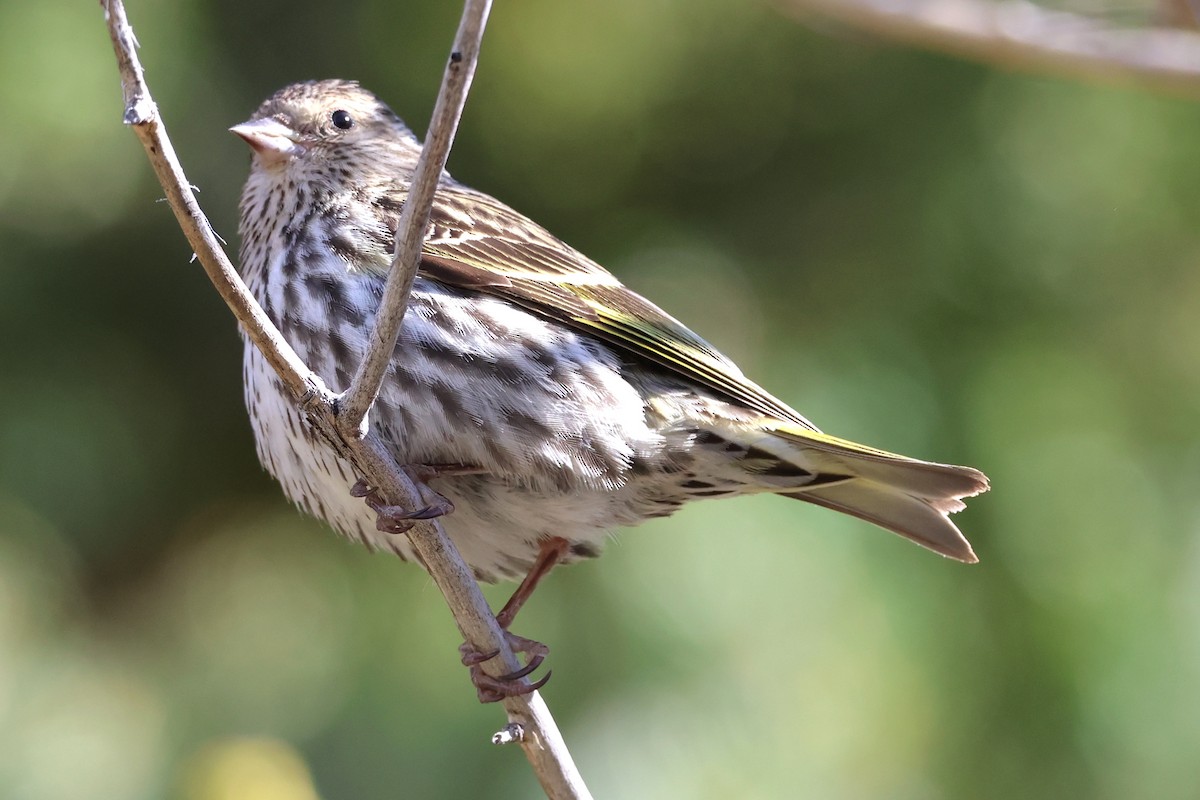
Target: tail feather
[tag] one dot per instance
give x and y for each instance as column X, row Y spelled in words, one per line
column 903, row 495
column 914, row 518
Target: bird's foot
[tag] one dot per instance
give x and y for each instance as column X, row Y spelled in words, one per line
column 397, row 519
column 492, row 689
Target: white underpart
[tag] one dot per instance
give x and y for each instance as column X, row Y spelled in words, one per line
column 539, row 487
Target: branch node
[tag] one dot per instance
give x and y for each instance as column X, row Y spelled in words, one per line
column 351, row 428
column 512, row 732
column 140, row 111
column 316, row 397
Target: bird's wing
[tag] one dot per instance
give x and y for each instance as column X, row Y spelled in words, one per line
column 478, row 243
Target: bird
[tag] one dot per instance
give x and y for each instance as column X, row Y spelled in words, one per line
column 545, row 402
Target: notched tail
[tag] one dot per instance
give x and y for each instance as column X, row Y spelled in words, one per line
column 912, row 498
column 925, row 521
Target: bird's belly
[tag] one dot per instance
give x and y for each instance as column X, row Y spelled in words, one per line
column 564, row 444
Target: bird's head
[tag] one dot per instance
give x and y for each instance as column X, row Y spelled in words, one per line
column 326, row 126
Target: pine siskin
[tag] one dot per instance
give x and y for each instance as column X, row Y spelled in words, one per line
column 567, row 404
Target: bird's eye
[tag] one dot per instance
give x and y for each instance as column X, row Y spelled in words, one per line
column 342, row 119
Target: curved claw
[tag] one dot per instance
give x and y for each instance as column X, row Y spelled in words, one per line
column 492, row 689
column 516, row 675
column 396, row 519
column 432, row 512
column 536, row 685
column 472, row 657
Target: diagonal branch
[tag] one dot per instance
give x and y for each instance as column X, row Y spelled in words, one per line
column 141, row 113
column 530, row 721
column 414, row 218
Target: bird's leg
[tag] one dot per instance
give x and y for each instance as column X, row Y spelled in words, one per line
column 397, row 519
column 492, row 689
column 549, row 554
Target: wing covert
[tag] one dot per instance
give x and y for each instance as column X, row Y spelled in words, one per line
column 477, row 243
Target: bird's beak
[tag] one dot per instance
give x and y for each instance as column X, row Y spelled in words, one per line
column 272, row 140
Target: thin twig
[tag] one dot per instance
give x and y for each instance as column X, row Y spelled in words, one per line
column 414, row 218
column 141, row 113
column 542, row 742
column 1021, row 35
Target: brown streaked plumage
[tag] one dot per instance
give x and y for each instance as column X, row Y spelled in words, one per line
column 582, row 405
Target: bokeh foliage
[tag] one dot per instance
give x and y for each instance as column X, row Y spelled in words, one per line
column 927, row 255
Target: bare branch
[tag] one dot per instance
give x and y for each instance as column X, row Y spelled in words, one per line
column 141, row 113
column 542, row 742
column 1022, row 35
column 414, row 218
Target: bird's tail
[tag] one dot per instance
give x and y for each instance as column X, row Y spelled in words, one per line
column 904, row 495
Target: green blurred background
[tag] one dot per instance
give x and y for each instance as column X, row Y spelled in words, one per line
column 927, row 255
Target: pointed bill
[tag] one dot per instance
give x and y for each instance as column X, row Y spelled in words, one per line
column 273, row 141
